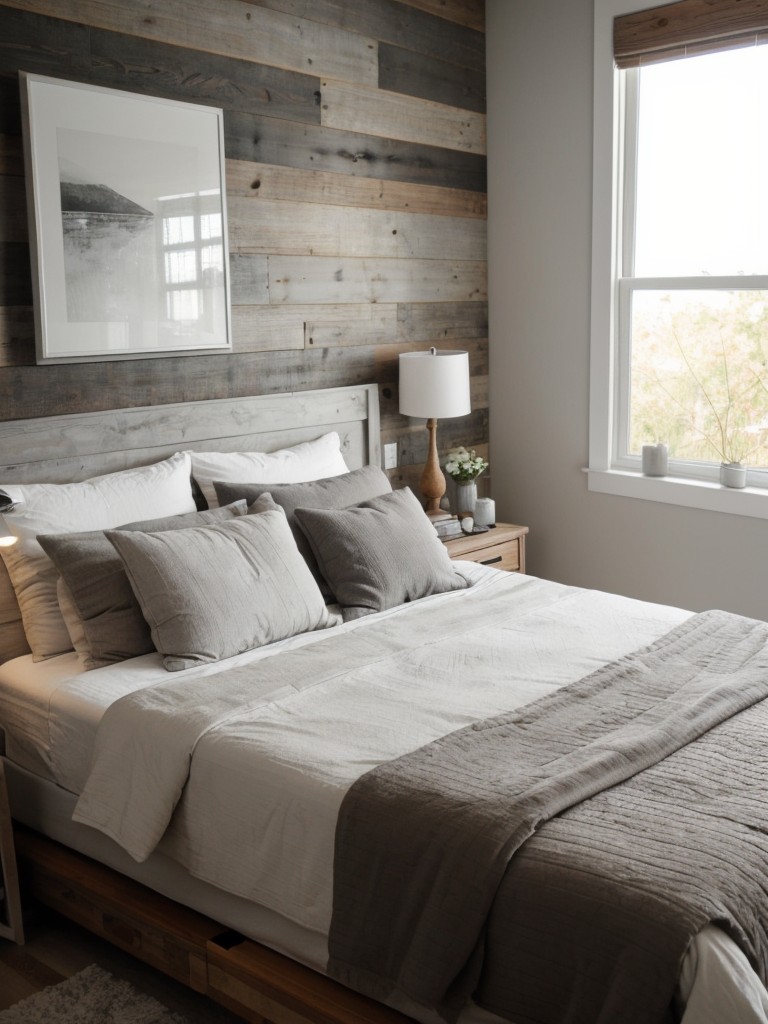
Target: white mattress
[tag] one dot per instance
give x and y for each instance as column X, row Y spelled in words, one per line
column 50, row 713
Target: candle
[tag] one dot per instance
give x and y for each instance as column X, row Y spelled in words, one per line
column 485, row 512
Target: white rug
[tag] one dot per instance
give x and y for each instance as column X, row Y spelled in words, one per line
column 91, row 997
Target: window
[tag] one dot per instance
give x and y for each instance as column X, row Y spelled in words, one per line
column 692, row 287
column 680, row 257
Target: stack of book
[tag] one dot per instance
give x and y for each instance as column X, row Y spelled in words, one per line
column 446, row 525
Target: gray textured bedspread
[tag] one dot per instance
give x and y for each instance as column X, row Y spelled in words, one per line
column 634, row 803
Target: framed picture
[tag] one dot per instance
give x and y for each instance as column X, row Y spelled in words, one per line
column 128, row 226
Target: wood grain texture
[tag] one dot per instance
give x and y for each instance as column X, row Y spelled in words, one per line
column 251, row 180
column 227, row 27
column 357, row 231
column 402, row 70
column 281, row 227
column 303, row 279
column 414, row 26
column 272, row 141
column 390, row 115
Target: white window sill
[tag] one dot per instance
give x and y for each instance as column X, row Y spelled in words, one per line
column 705, row 494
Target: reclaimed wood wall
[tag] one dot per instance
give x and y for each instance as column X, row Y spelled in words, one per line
column 355, row 165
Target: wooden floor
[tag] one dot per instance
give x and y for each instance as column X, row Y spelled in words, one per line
column 55, row 949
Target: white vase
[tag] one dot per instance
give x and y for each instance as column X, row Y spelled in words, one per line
column 466, row 498
column 733, row 474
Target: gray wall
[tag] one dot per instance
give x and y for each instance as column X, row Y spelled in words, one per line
column 539, row 215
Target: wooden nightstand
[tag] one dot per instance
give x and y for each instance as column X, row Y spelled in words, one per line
column 503, row 547
column 10, row 903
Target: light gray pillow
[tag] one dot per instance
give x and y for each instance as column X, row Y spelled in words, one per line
column 333, row 492
column 100, row 610
column 380, row 553
column 210, row 592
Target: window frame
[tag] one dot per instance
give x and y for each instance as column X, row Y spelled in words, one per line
column 611, row 470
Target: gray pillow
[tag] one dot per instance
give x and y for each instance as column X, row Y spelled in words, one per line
column 380, row 553
column 332, row 492
column 102, row 614
column 210, row 592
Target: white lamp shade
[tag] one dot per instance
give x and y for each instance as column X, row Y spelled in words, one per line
column 434, row 385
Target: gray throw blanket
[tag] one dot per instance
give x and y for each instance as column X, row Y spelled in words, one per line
column 641, row 795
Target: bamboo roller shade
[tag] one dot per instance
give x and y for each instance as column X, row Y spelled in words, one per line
column 688, row 28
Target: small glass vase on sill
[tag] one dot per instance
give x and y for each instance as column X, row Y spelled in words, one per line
column 463, row 467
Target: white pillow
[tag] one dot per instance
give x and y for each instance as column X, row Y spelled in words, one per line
column 103, row 502
column 310, row 460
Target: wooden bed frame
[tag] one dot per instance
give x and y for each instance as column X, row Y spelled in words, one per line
column 251, row 980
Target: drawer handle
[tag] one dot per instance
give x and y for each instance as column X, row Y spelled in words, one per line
column 491, row 561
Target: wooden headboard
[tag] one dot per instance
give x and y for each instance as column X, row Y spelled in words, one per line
column 59, row 449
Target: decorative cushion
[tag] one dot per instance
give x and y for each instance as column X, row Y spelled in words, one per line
column 163, row 489
column 380, row 553
column 336, row 492
column 210, row 592
column 309, row 460
column 102, row 614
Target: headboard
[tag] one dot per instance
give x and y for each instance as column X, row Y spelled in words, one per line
column 59, row 449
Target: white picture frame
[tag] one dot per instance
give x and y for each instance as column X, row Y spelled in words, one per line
column 127, row 223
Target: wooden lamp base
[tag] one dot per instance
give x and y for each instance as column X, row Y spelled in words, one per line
column 432, row 480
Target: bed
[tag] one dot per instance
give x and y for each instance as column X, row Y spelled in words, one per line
column 254, row 818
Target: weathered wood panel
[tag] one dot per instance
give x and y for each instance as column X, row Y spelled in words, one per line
column 402, row 24
column 390, row 115
column 302, row 229
column 228, row 27
column 13, row 203
column 272, row 141
column 402, row 70
column 303, row 279
column 151, row 68
column 357, row 232
column 262, row 181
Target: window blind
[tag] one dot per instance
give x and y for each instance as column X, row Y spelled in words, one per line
column 687, row 28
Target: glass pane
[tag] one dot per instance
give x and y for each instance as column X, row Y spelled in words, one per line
column 702, row 201
column 699, row 374
column 178, row 229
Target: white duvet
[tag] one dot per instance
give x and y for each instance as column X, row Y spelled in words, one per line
column 238, row 773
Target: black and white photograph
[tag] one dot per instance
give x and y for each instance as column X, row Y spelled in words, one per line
column 129, row 221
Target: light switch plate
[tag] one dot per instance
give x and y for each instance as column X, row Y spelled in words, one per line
column 390, row 456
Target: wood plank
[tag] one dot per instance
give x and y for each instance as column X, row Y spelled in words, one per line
column 249, row 279
column 174, row 72
column 27, row 391
column 11, row 155
column 17, row 336
column 355, row 324
column 470, row 13
column 269, row 140
column 13, row 203
column 434, row 321
column 15, row 274
column 10, row 105
column 267, row 328
column 392, row 116
column 263, row 181
column 310, row 279
column 231, row 28
column 45, row 45
column 402, row 24
column 402, row 70
column 315, row 229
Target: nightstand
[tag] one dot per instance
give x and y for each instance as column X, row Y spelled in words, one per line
column 10, row 902
column 503, row 547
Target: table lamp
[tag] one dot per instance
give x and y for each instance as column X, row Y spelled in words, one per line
column 434, row 385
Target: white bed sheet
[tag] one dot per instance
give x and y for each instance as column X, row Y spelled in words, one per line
column 50, row 713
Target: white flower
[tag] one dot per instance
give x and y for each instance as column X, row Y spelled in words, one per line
column 463, row 465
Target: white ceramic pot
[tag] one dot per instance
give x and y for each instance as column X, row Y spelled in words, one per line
column 733, row 474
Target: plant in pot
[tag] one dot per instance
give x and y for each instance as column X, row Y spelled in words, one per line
column 463, row 467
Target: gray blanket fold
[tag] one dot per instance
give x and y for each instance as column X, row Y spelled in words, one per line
column 637, row 801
